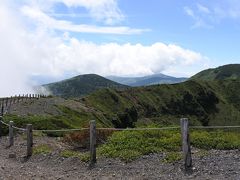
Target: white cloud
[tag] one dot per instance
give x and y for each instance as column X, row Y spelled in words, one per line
column 213, row 13
column 101, row 10
column 203, row 9
column 126, row 59
column 189, row 11
column 48, row 22
column 199, row 21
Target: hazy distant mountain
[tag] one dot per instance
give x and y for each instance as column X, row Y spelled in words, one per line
column 81, row 85
column 230, row 71
column 146, row 80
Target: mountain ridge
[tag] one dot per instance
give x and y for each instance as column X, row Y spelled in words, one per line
column 229, row 71
column 147, row 80
column 80, row 85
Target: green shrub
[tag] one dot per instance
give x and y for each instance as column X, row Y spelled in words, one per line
column 172, row 157
column 42, row 149
column 215, row 139
column 82, row 156
column 129, row 145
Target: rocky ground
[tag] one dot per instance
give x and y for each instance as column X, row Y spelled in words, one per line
column 213, row 164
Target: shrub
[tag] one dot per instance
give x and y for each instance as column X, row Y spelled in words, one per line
column 42, row 149
column 81, row 139
column 82, row 156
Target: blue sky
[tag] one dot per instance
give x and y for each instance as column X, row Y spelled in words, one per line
column 62, row 38
column 168, row 22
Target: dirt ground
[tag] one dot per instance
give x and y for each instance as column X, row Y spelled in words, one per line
column 215, row 164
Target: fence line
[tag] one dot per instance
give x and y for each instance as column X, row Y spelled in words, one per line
column 6, row 102
column 186, row 147
column 121, row 129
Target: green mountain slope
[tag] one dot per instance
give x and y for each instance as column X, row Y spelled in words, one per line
column 147, row 80
column 230, row 71
column 81, row 85
column 206, row 103
column 203, row 102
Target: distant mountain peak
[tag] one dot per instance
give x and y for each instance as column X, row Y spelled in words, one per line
column 81, row 85
column 147, row 80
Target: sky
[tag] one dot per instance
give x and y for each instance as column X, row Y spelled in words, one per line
column 47, row 40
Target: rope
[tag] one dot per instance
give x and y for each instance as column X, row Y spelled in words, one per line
column 20, row 129
column 59, row 130
column 14, row 127
column 138, row 129
column 5, row 123
column 213, row 127
column 123, row 129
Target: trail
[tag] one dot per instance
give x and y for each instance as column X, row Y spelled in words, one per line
column 215, row 164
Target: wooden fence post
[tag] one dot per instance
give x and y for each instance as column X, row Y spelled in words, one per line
column 93, row 158
column 1, row 126
column 6, row 102
column 2, row 109
column 186, row 144
column 29, row 140
column 11, row 139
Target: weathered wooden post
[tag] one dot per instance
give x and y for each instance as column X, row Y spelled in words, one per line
column 1, row 126
column 2, row 109
column 93, row 158
column 6, row 102
column 11, row 139
column 186, row 144
column 18, row 98
column 29, row 140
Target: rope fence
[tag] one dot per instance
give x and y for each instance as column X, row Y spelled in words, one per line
column 121, row 129
column 184, row 126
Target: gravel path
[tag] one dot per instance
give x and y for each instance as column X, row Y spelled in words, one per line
column 214, row 164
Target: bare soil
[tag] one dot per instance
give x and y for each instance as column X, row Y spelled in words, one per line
column 214, row 164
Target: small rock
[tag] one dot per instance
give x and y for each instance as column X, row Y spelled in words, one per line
column 11, row 156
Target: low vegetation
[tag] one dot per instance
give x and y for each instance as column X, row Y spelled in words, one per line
column 42, row 149
column 129, row 145
column 70, row 153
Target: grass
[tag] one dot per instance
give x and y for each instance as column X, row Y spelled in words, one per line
column 85, row 157
column 42, row 149
column 172, row 157
column 130, row 145
column 222, row 140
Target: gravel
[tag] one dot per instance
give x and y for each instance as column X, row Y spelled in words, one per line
column 213, row 164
